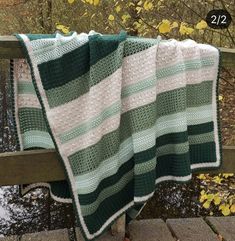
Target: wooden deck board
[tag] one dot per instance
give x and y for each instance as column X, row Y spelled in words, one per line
column 55, row 235
column 224, row 226
column 191, row 229
column 187, row 229
column 151, row 230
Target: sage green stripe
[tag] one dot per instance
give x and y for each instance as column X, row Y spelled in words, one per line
column 129, row 119
column 31, row 119
column 107, row 192
column 194, row 64
column 81, row 85
column 202, row 138
column 171, row 99
column 145, row 167
column 135, row 45
column 26, row 88
column 138, row 87
column 93, row 123
column 39, row 139
column 173, row 149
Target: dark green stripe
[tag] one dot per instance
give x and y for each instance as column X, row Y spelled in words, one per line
column 172, row 138
column 76, row 63
column 205, row 152
column 70, row 66
column 109, row 143
column 31, row 119
column 109, row 207
column 201, row 128
column 85, row 199
column 173, row 164
column 144, row 183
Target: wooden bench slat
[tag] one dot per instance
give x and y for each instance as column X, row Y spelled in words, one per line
column 44, row 166
column 10, row 48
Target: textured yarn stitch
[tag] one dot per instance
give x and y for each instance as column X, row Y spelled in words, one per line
column 123, row 113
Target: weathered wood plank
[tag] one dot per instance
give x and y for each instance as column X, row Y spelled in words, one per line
column 105, row 237
column 10, row 48
column 119, row 227
column 151, row 230
column 9, row 238
column 35, row 166
column 54, row 235
column 224, row 226
column 30, row 167
column 191, row 229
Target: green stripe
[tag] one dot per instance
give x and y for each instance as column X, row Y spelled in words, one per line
column 31, row 119
column 201, row 138
column 106, row 193
column 39, row 139
column 135, row 45
column 173, row 149
column 168, row 102
column 173, row 165
column 93, row 123
column 145, row 166
column 109, row 207
column 182, row 67
column 201, row 128
column 82, row 84
column 103, row 149
column 26, row 88
column 144, row 183
column 201, row 153
column 78, row 62
column 107, row 182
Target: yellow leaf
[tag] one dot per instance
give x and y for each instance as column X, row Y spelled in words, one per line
column 138, row 9
column 221, row 97
column 165, row 26
column 139, row 3
column 203, row 198
column 217, row 200
column 201, row 25
column 232, row 208
column 70, row 1
column 184, row 29
column 125, row 17
column 226, row 210
column 111, row 17
column 96, row 2
column 201, row 177
column 226, row 175
column 174, row 25
column 221, row 206
column 210, row 197
column 202, row 192
column 206, row 204
column 148, row 5
column 63, row 28
column 217, row 179
column 118, row 9
column 211, row 213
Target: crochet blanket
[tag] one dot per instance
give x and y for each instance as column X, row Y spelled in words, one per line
column 123, row 113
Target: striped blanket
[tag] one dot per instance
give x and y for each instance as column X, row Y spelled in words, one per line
column 123, row 113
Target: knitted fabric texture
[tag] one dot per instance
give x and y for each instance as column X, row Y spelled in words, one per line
column 123, row 113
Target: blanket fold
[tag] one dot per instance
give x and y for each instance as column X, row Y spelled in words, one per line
column 123, row 113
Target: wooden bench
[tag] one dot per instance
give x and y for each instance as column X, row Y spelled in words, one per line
column 19, row 167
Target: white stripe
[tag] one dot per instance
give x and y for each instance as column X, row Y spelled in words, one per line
column 29, row 100
column 89, row 105
column 92, row 137
column 139, row 66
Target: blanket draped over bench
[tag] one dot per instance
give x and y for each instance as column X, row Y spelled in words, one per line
column 123, row 113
